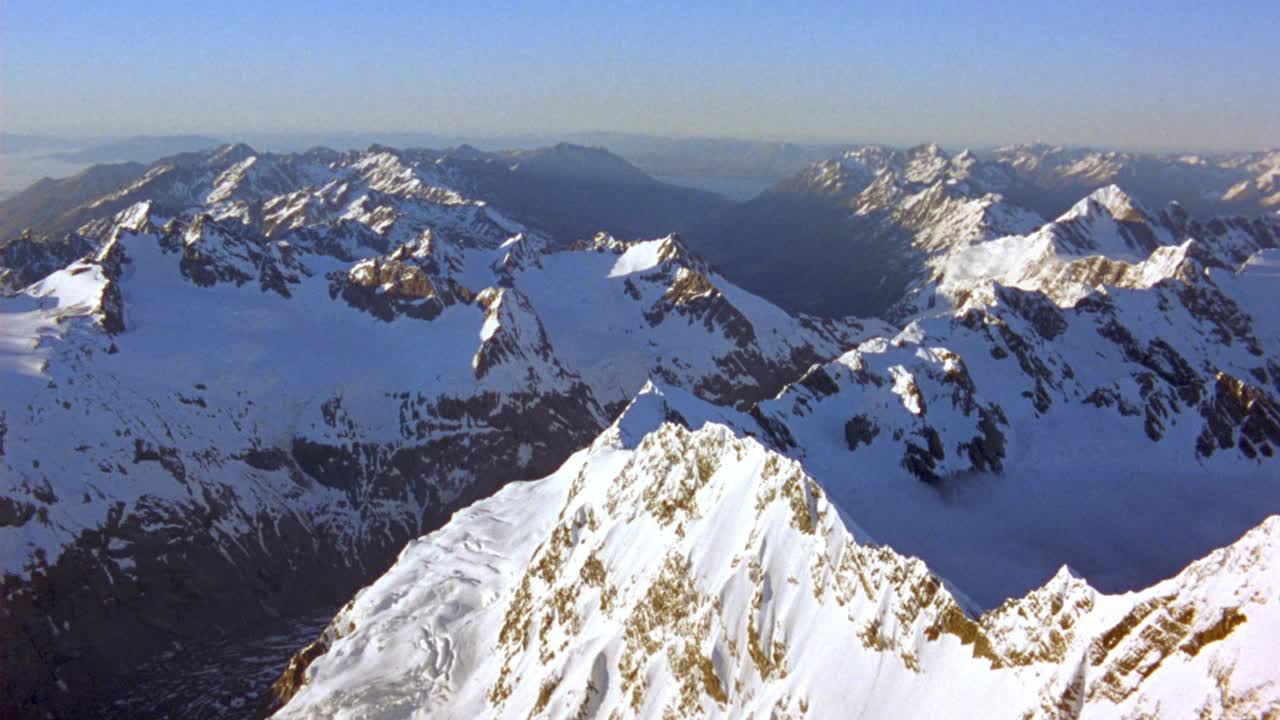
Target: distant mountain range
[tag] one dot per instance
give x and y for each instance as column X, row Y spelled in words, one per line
column 142, row 149
column 698, row 162
column 567, row 191
column 850, row 234
column 712, row 157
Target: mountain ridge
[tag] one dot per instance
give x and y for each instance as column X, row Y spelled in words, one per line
column 683, row 625
column 279, row 369
column 586, row 178
column 197, row 391
column 862, row 229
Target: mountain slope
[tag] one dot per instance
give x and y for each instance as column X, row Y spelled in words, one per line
column 692, row 573
column 50, row 206
column 1124, row 385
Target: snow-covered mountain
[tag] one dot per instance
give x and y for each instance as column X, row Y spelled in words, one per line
column 859, row 230
column 1145, row 410
column 1110, row 370
column 567, row 192
column 245, row 381
column 269, row 372
column 1208, row 184
column 848, row 235
column 1108, row 237
column 677, row 569
column 1099, row 393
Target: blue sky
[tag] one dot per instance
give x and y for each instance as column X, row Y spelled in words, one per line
column 1155, row 74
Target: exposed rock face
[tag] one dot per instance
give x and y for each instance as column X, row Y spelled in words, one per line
column 405, row 282
column 512, row 335
column 1240, row 410
column 214, row 252
column 27, row 259
column 691, row 573
column 923, row 383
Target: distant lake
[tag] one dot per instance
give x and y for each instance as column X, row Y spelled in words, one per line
column 734, row 188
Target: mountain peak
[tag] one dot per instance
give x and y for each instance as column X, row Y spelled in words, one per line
column 1118, row 203
column 468, row 152
column 569, row 160
column 232, row 153
column 698, row 573
column 1109, row 200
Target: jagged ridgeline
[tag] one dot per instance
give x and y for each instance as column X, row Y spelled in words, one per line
column 853, row 233
column 243, row 381
column 236, row 384
column 1112, row 370
column 673, row 572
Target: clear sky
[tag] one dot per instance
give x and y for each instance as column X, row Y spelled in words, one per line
column 1151, row 74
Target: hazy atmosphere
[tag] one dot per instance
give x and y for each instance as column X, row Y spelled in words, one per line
column 548, row 360
column 1183, row 75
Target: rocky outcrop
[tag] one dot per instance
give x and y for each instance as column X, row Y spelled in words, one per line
column 28, row 258
column 394, row 286
column 1239, row 415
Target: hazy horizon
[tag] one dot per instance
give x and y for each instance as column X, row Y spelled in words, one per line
column 521, row 140
column 1186, row 77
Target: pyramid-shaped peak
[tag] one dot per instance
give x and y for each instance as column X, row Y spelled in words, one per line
column 1118, row 203
column 232, row 152
column 1110, row 200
